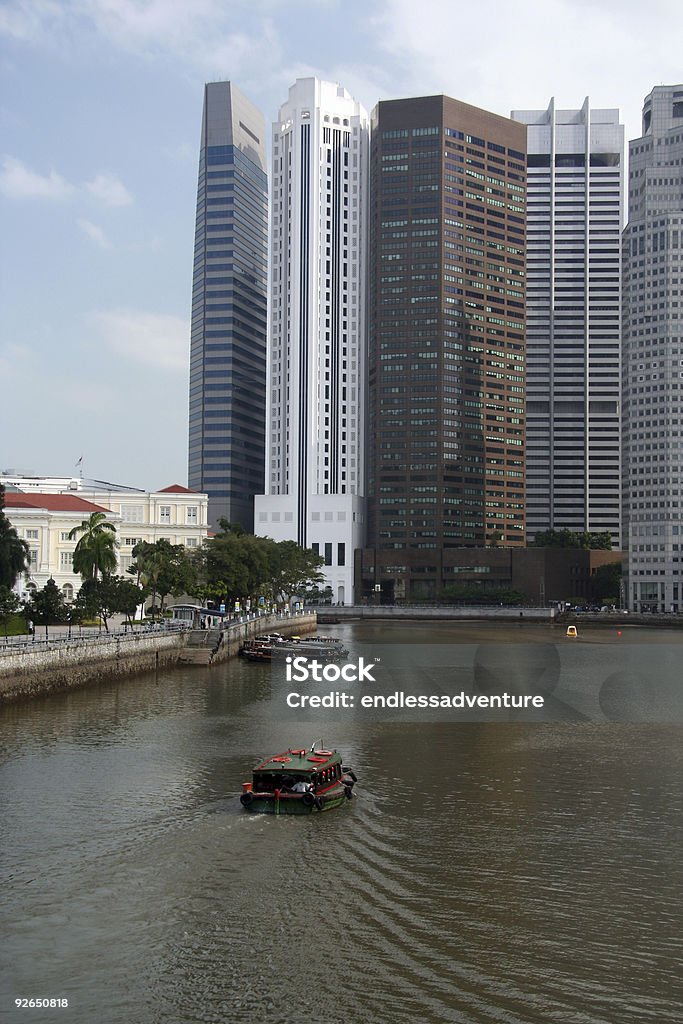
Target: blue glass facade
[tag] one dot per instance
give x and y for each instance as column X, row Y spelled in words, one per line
column 227, row 421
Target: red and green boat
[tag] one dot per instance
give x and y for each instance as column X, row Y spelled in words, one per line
column 300, row 781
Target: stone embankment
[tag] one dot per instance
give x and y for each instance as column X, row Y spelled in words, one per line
column 341, row 613
column 33, row 670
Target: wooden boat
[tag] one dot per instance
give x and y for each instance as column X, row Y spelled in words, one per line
column 267, row 648
column 300, row 781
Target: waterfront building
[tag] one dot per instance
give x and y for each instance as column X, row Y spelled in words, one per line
column 446, row 432
column 575, row 199
column 653, row 357
column 44, row 521
column 544, row 576
column 229, row 292
column 44, row 509
column 316, row 359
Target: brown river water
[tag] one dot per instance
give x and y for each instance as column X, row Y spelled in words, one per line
column 487, row 872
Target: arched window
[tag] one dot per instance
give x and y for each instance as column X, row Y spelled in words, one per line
column 68, row 592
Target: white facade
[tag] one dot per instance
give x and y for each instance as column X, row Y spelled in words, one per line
column 653, row 358
column 316, row 353
column 174, row 514
column 575, row 204
column 45, row 526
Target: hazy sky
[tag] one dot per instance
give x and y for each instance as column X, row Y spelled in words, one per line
column 100, row 108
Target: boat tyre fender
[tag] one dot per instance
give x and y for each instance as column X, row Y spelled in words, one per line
column 350, row 772
column 308, row 799
column 246, row 799
column 319, row 803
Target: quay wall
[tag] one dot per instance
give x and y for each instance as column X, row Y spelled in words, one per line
column 434, row 612
column 34, row 670
column 235, row 635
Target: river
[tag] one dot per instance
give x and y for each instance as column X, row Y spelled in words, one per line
column 502, row 873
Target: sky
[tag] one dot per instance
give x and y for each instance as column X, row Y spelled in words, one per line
column 100, row 112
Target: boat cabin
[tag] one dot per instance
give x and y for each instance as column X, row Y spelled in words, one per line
column 317, row 769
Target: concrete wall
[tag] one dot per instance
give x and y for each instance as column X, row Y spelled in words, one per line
column 236, row 635
column 434, row 612
column 35, row 671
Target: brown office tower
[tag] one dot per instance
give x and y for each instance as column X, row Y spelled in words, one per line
column 446, row 391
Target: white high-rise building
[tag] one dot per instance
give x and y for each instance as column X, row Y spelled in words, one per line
column 316, row 351
column 653, row 358
column 575, row 199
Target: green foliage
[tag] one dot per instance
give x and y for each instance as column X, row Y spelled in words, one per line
column 237, row 565
column 163, row 568
column 13, row 551
column 606, row 583
column 569, row 539
column 47, row 606
column 95, row 552
column 14, row 625
column 9, row 603
column 105, row 597
column 293, row 568
column 233, row 566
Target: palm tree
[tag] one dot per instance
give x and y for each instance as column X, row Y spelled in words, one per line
column 95, row 553
column 13, row 551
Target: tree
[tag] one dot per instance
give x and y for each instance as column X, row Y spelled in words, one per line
column 47, row 606
column 236, row 566
column 233, row 566
column 105, row 597
column 292, row 568
column 9, row 603
column 606, row 583
column 163, row 568
column 95, row 552
column 570, row 539
column 127, row 597
column 13, row 551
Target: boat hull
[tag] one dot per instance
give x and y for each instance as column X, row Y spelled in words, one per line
column 293, row 803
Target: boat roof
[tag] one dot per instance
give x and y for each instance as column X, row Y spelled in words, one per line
column 300, row 759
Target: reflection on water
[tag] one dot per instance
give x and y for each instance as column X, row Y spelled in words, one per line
column 486, row 872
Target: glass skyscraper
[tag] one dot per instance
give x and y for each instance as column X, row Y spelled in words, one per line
column 446, row 340
column 228, row 339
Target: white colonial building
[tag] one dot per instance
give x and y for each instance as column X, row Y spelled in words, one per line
column 44, row 510
column 314, row 456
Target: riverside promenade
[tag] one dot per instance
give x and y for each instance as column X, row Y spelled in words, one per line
column 33, row 667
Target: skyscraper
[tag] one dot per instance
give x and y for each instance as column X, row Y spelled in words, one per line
column 575, row 188
column 315, row 470
column 653, row 357
column 229, row 292
column 446, row 337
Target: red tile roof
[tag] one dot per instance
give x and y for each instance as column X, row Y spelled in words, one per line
column 52, row 502
column 177, row 489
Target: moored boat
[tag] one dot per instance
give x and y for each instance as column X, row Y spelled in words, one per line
column 269, row 648
column 300, row 781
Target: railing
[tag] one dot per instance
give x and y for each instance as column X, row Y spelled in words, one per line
column 62, row 635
